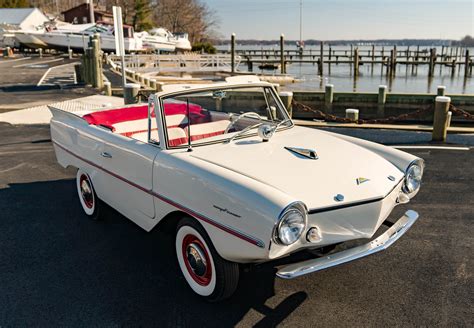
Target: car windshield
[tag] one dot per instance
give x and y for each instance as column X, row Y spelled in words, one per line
column 220, row 115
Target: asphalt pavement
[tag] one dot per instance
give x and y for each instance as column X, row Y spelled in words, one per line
column 58, row 268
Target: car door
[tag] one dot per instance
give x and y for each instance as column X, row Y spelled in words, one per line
column 128, row 174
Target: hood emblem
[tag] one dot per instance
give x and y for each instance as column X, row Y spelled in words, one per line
column 309, row 153
column 361, row 180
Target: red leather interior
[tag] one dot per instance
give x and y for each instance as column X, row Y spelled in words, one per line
column 110, row 117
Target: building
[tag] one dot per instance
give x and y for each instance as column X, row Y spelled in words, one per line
column 81, row 14
column 21, row 18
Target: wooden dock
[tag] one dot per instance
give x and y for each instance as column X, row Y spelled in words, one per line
column 390, row 57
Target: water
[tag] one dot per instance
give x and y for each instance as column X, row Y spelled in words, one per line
column 408, row 79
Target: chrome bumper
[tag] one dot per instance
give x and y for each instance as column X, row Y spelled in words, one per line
column 379, row 244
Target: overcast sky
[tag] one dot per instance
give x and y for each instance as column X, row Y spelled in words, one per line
column 345, row 19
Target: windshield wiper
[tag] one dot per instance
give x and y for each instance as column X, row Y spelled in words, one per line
column 238, row 134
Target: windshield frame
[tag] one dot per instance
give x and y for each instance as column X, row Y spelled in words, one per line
column 190, row 90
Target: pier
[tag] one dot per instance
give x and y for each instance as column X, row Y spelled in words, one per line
column 389, row 57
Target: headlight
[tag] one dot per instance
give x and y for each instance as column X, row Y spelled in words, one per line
column 291, row 225
column 413, row 178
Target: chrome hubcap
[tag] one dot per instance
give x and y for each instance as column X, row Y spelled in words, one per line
column 86, row 192
column 197, row 259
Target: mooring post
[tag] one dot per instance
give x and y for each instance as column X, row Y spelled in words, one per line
column 232, row 53
column 440, row 119
column 432, row 61
column 441, row 90
column 69, row 52
column 466, row 64
column 287, row 98
column 382, row 97
column 282, row 56
column 321, row 61
column 356, row 62
column 97, row 81
column 352, row 114
column 329, row 94
column 153, row 84
column 108, row 88
column 40, row 50
column 130, row 95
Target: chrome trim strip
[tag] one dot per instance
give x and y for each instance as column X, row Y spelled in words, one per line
column 381, row 243
column 237, row 233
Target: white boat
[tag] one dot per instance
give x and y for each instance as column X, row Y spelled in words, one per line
column 76, row 37
column 157, row 39
column 160, row 39
column 182, row 41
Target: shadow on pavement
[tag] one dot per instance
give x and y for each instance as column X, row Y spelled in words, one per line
column 57, row 267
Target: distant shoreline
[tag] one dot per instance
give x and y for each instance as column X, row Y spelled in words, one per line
column 377, row 42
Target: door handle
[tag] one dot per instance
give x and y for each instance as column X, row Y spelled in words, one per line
column 106, row 155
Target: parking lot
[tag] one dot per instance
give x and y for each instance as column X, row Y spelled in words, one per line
column 57, row 268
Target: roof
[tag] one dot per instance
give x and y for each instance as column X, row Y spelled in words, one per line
column 97, row 9
column 15, row 16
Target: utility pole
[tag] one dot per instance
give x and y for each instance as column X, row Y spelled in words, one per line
column 91, row 11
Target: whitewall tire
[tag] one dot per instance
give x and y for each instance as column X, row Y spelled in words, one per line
column 87, row 196
column 208, row 275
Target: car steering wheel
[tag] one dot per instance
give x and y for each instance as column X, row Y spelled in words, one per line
column 246, row 114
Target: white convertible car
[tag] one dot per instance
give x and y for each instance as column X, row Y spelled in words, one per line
column 225, row 165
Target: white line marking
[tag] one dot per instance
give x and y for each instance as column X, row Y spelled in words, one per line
column 13, row 60
column 38, row 63
column 431, row 147
column 43, row 77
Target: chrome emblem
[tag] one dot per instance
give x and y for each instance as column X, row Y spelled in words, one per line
column 309, row 153
column 339, row 198
column 361, row 180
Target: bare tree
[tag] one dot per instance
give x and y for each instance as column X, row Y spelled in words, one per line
column 191, row 16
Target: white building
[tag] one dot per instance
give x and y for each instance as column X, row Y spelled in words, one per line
column 13, row 19
column 21, row 18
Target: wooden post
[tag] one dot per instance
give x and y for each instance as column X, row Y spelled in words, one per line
column 432, row 61
column 131, row 93
column 232, row 53
column 466, row 64
column 108, row 88
column 287, row 98
column 356, row 62
column 329, row 94
column 282, row 56
column 321, row 61
column 97, row 81
column 40, row 52
column 382, row 97
column 440, row 120
column 69, row 51
column 352, row 114
column 153, row 84
column 441, row 90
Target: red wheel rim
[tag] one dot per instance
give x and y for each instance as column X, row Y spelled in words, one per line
column 86, row 191
column 197, row 260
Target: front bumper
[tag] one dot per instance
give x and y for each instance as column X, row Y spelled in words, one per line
column 379, row 244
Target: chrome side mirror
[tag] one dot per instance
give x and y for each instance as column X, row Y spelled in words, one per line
column 265, row 132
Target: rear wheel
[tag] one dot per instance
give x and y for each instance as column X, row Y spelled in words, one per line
column 87, row 196
column 208, row 274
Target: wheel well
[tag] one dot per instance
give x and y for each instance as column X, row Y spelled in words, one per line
column 169, row 223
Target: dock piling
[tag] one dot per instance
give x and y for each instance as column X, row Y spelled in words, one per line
column 466, row 64
column 329, row 94
column 108, row 88
column 131, row 93
column 356, row 62
column 282, row 56
column 232, row 53
column 382, row 97
column 352, row 114
column 441, row 90
column 440, row 119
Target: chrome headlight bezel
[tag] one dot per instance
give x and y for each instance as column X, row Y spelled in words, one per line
column 297, row 208
column 413, row 176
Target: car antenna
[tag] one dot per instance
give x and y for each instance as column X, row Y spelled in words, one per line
column 190, row 148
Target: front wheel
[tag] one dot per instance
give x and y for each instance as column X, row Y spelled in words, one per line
column 208, row 274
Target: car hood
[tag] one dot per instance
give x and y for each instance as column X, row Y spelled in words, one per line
column 315, row 182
